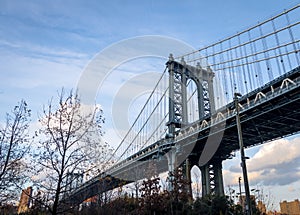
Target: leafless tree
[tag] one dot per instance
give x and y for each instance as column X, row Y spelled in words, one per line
column 98, row 153
column 66, row 129
column 14, row 144
column 266, row 197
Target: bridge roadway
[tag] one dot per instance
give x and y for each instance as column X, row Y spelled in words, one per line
column 267, row 113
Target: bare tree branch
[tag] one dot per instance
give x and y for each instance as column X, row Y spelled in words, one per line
column 15, row 143
column 66, row 130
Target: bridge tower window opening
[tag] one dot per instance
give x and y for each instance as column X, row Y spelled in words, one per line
column 192, row 108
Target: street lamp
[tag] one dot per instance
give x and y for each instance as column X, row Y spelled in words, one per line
column 256, row 193
column 240, row 187
column 243, row 157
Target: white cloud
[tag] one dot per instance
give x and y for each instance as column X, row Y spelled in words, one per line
column 275, row 163
column 275, row 154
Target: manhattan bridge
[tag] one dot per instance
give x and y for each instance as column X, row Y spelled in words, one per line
column 190, row 117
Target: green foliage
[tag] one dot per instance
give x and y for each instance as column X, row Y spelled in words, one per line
column 179, row 196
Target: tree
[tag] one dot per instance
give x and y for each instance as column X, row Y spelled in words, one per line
column 66, row 129
column 14, row 145
column 151, row 201
column 179, row 195
column 267, row 198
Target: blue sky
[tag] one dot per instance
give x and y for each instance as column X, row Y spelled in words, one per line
column 46, row 45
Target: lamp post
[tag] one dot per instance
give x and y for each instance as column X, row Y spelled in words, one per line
column 243, row 157
column 240, row 187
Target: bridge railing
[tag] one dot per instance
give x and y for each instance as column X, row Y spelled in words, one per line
column 270, row 90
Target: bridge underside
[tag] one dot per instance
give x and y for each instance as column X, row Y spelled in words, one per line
column 276, row 117
column 100, row 185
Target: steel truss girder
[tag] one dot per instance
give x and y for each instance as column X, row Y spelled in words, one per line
column 179, row 74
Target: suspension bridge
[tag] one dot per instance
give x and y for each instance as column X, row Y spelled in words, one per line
column 189, row 118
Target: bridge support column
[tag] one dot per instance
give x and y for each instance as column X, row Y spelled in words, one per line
column 205, row 180
column 212, row 178
column 187, row 177
column 171, row 156
column 219, row 184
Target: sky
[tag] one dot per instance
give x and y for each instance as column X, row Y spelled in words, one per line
column 47, row 45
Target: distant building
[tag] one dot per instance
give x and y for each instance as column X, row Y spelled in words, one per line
column 290, row 208
column 90, row 200
column 25, row 200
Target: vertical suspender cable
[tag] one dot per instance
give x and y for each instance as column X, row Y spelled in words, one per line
column 239, row 69
column 257, row 67
column 252, row 64
column 231, row 69
column 266, row 54
column 217, row 74
column 279, row 50
column 243, row 65
column 224, row 72
column 293, row 39
column 248, row 67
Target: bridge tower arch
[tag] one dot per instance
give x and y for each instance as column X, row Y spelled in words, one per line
column 179, row 74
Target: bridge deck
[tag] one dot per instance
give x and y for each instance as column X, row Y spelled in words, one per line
column 268, row 113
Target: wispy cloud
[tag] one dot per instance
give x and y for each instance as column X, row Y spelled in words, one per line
column 42, row 51
column 27, row 72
